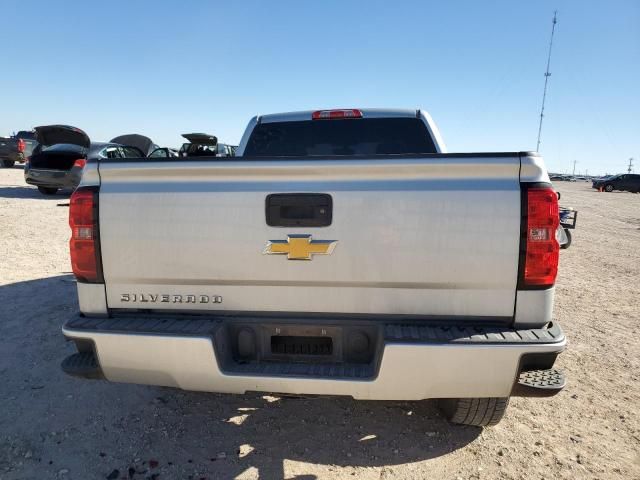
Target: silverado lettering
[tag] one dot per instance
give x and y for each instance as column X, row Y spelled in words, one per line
column 166, row 298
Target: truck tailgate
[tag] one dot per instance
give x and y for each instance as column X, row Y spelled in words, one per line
column 435, row 235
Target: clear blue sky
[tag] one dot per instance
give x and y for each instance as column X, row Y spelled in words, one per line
column 162, row 69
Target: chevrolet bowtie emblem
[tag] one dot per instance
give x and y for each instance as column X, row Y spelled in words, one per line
column 299, row 247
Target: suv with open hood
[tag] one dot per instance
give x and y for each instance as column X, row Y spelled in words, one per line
column 205, row 145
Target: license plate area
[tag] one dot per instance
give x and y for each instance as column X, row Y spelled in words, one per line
column 285, row 343
column 309, row 346
column 301, row 343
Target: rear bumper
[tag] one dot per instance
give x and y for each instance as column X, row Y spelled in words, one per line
column 411, row 361
column 53, row 178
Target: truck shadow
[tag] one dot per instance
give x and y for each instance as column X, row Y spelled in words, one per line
column 107, row 426
column 27, row 191
column 264, row 433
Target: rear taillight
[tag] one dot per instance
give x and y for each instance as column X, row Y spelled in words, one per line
column 81, row 162
column 542, row 250
column 84, row 246
column 335, row 114
column 21, row 145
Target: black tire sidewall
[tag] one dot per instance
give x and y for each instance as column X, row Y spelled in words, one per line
column 479, row 412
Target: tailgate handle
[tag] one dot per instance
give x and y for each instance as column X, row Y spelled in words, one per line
column 299, row 210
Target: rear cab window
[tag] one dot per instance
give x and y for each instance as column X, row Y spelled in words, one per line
column 362, row 136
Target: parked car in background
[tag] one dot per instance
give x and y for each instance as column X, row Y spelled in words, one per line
column 16, row 148
column 164, row 152
column 225, row 150
column 628, row 182
column 63, row 151
column 597, row 182
column 142, row 143
column 205, row 145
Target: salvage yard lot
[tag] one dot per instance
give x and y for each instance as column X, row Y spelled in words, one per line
column 54, row 426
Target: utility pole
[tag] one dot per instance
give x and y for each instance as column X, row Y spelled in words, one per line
column 574, row 168
column 630, row 168
column 547, row 74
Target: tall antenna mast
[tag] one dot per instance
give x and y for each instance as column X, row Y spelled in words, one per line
column 547, row 74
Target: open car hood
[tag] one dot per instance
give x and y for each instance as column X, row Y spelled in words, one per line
column 48, row 135
column 201, row 138
column 144, row 144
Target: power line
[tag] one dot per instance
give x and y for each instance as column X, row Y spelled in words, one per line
column 547, row 74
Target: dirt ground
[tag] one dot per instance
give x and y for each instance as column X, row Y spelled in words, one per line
column 54, row 426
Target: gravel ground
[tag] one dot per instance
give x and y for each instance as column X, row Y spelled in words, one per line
column 53, row 426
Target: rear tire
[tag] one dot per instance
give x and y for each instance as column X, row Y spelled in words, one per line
column 568, row 234
column 608, row 188
column 479, row 412
column 47, row 190
column 8, row 163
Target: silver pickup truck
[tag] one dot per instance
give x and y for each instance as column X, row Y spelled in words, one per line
column 341, row 252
